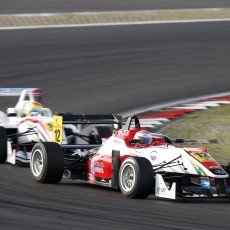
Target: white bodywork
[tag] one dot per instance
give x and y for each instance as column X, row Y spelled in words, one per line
column 176, row 160
column 159, row 155
column 41, row 131
column 37, row 127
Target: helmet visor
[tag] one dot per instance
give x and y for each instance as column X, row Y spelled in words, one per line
column 145, row 140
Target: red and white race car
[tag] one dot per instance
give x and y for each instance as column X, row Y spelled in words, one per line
column 136, row 162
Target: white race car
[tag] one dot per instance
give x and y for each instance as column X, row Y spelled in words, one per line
column 22, row 125
column 29, row 122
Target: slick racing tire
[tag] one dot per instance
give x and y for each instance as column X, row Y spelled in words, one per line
column 99, row 132
column 3, row 144
column 136, row 177
column 47, row 162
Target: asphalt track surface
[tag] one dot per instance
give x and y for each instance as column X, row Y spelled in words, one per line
column 54, row 6
column 110, row 70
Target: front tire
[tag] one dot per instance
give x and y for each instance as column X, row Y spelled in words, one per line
column 3, row 145
column 136, row 177
column 47, row 162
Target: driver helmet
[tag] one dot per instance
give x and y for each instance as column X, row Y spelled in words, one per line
column 33, row 107
column 144, row 137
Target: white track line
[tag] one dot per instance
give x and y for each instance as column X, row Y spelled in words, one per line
column 113, row 24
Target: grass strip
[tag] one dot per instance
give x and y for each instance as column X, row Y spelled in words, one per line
column 204, row 126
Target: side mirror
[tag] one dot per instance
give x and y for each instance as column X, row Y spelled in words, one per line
column 179, row 140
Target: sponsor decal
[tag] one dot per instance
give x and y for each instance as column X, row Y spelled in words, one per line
column 117, row 142
column 98, row 167
column 161, row 190
column 207, row 161
column 198, row 169
column 48, row 126
column 99, row 170
column 219, row 172
column 138, row 152
column 99, row 164
column 205, row 184
column 153, row 155
column 214, row 167
column 202, row 156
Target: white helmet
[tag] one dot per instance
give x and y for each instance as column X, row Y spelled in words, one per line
column 144, row 137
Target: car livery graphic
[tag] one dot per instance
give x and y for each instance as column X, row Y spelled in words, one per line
column 137, row 162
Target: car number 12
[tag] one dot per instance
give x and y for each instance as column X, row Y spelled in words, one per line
column 57, row 129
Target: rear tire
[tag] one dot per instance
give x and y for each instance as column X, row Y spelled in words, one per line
column 3, row 145
column 136, row 177
column 47, row 162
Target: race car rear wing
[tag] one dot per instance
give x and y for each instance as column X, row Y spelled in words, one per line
column 71, row 121
column 25, row 95
column 36, row 92
column 92, row 119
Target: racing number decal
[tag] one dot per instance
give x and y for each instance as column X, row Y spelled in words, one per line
column 202, row 156
column 57, row 129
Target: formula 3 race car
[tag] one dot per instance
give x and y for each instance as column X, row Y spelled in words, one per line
column 136, row 162
column 29, row 122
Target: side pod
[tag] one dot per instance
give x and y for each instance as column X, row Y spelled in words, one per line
column 161, row 190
